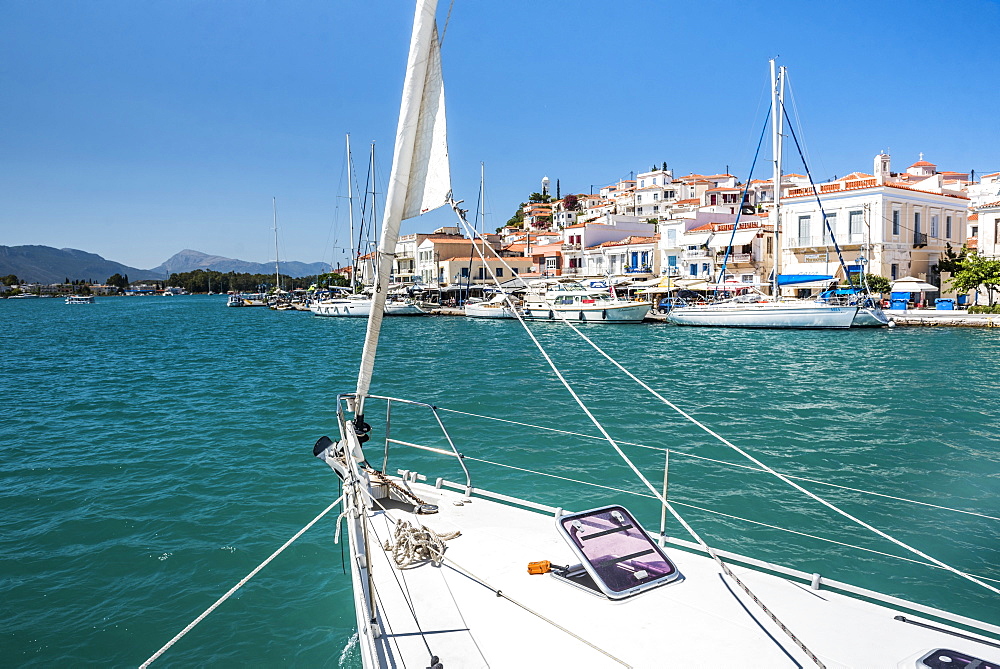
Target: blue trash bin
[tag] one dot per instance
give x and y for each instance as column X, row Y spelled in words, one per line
column 898, row 305
column 963, row 300
column 944, row 304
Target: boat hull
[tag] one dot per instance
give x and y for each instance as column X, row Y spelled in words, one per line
column 487, row 311
column 632, row 312
column 768, row 315
column 362, row 308
column 870, row 317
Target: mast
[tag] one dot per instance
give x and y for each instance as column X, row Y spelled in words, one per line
column 277, row 277
column 777, row 116
column 373, row 260
column 350, row 207
column 420, row 179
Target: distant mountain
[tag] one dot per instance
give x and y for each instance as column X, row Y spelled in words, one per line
column 188, row 261
column 44, row 264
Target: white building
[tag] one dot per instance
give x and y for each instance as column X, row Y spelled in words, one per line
column 895, row 225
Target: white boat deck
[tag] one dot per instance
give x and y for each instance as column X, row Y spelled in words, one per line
column 703, row 620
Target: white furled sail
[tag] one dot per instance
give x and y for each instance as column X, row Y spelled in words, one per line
column 430, row 173
column 420, row 179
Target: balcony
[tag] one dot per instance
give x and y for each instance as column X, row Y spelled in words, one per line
column 571, row 247
column 641, row 269
column 736, row 257
column 697, row 253
column 822, row 241
column 919, row 239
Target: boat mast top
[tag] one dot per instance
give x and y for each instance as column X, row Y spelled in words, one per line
column 350, row 207
column 777, row 116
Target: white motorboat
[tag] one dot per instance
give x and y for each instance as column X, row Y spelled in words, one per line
column 499, row 306
column 79, row 299
column 557, row 300
column 236, row 300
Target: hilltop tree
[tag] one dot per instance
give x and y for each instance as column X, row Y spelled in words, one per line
column 571, row 203
column 517, row 220
column 118, row 281
column 10, row 280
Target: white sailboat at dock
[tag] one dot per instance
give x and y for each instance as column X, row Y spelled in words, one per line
column 774, row 311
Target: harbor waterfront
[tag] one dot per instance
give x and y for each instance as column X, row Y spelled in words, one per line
column 155, row 451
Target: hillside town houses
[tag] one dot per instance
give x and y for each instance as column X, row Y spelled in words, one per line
column 892, row 223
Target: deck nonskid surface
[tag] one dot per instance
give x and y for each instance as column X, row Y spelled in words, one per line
column 702, row 620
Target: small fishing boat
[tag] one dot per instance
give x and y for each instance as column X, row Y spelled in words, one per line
column 79, row 299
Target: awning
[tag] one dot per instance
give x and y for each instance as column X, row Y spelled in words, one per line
column 721, row 239
column 694, row 239
column 911, row 284
column 647, row 283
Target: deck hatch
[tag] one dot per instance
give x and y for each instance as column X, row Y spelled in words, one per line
column 615, row 551
column 942, row 658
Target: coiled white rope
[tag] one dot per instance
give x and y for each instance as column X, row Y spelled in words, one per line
column 239, row 585
column 413, row 543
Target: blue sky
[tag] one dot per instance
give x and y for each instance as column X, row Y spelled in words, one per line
column 137, row 129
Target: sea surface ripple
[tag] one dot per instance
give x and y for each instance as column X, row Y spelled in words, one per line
column 156, row 450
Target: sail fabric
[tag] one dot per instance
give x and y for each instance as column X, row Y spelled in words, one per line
column 430, row 173
column 420, row 178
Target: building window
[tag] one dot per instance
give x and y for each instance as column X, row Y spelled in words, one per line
column 669, row 194
column 671, row 238
column 465, row 272
column 656, row 208
column 934, row 226
column 642, row 183
column 693, row 269
column 671, row 261
column 916, row 222
column 830, row 228
column 746, row 278
column 803, row 229
column 895, row 222
column 654, row 181
column 640, row 210
column 894, row 271
column 656, row 196
column 499, row 272
column 975, row 231
column 856, row 220
column 947, row 227
column 514, row 270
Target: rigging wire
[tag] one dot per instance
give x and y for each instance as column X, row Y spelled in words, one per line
column 819, row 203
column 724, row 462
column 239, row 585
column 739, row 213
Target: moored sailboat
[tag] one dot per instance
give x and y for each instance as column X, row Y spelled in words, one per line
column 773, row 311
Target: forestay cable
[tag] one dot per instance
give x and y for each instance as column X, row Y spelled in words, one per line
column 239, row 585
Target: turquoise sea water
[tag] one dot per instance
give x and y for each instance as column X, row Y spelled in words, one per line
column 154, row 451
